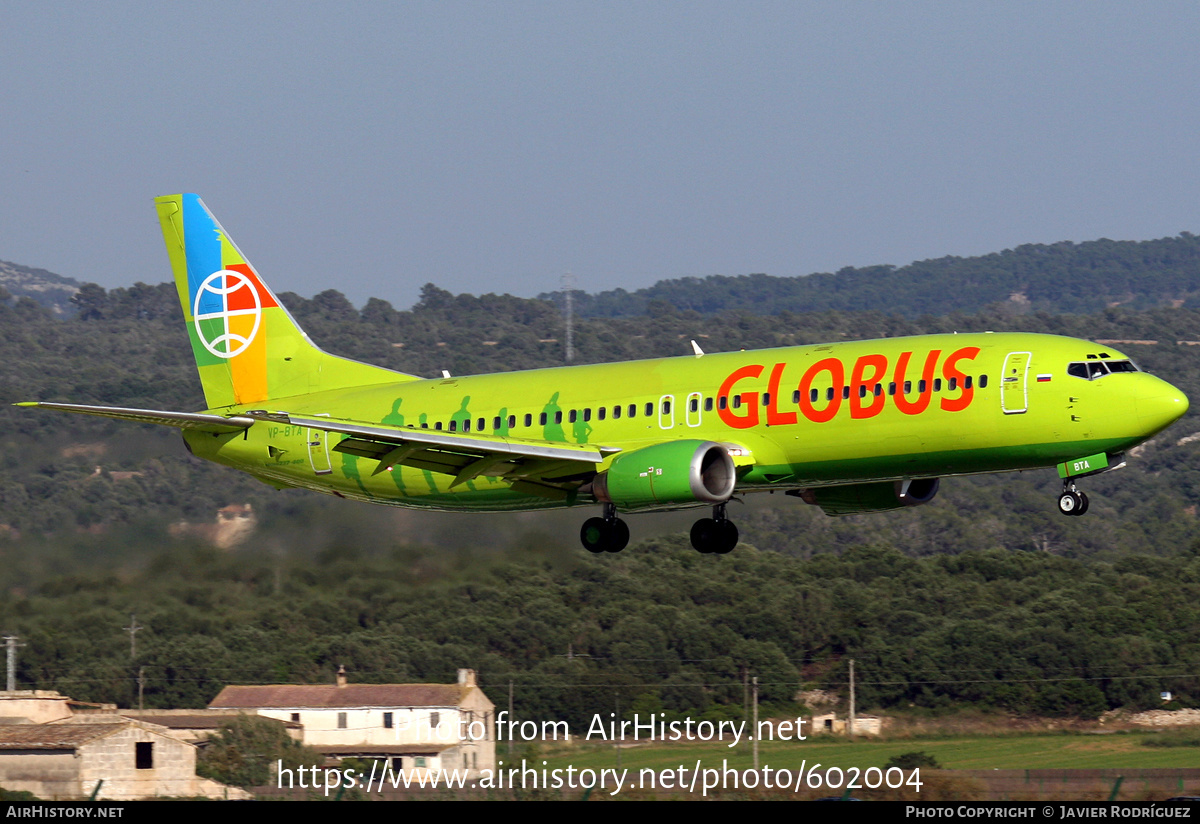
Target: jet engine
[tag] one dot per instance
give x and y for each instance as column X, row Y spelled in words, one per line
column 678, row 472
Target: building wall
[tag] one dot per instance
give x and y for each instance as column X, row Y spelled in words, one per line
column 48, row 774
column 114, row 759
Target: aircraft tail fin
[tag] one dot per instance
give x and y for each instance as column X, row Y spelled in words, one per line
column 247, row 346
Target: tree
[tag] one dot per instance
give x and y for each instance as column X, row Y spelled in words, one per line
column 246, row 752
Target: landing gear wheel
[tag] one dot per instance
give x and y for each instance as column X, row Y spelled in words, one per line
column 618, row 535
column 1071, row 503
column 704, row 532
column 594, row 535
column 1084, row 506
column 727, row 537
column 604, row 535
column 711, row 536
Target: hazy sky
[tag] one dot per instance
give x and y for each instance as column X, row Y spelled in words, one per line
column 374, row 147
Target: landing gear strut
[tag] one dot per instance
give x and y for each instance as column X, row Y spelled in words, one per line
column 1072, row 501
column 716, row 535
column 606, row 534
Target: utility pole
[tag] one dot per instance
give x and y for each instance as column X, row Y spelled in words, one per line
column 568, row 286
column 754, row 733
column 850, row 727
column 132, row 630
column 10, row 644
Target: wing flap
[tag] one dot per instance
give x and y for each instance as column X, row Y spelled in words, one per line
column 198, row 421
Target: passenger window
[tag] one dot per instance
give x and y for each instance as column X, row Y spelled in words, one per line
column 542, row 419
column 479, row 425
column 737, row 401
column 666, row 407
column 437, row 425
column 649, row 409
column 921, row 386
column 862, row 390
column 558, row 417
column 617, row 411
column 708, row 404
column 937, row 384
column 953, row 384
column 908, row 387
column 967, row 382
column 892, row 388
column 528, row 420
column 845, row 393
column 796, row 396
column 633, row 410
column 878, row 389
column 694, row 405
column 453, row 426
column 724, row 402
column 813, row 394
column 983, row 381
column 571, row 416
column 829, row 394
column 600, row 413
column 512, row 421
column 587, row 414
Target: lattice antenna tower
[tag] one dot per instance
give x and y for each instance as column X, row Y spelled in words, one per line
column 568, row 287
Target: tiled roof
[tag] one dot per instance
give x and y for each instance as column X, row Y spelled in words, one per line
column 53, row 736
column 330, row 696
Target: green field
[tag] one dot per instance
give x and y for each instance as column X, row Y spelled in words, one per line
column 1004, row 752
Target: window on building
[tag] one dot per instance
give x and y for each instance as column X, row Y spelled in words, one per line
column 435, row 718
column 341, row 720
column 295, row 718
column 387, row 721
column 144, row 755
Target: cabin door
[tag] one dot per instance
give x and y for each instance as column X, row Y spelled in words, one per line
column 1014, row 383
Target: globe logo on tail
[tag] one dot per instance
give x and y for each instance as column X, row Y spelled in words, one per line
column 227, row 313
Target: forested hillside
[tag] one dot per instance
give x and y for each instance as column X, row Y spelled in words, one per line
column 986, row 597
column 1059, row 277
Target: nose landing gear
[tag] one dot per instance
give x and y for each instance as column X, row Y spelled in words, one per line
column 606, row 534
column 716, row 535
column 1072, row 501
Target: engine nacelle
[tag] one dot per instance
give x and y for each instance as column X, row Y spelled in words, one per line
column 678, row 472
column 876, row 497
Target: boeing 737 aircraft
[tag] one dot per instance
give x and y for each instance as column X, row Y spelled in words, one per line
column 850, row 427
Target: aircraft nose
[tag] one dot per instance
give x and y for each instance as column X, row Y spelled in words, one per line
column 1159, row 404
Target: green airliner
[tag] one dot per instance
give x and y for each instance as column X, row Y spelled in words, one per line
column 851, row 427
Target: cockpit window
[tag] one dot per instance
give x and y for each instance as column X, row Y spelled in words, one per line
column 1121, row 366
column 1090, row 370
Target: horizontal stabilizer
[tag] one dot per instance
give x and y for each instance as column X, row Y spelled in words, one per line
column 183, row 420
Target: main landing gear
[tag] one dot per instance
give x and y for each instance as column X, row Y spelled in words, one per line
column 716, row 535
column 606, row 534
column 1072, row 501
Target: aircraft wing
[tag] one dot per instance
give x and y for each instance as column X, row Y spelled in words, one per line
column 183, row 420
column 551, row 470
